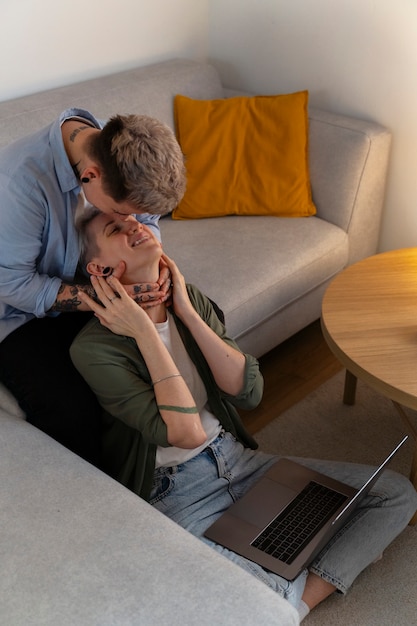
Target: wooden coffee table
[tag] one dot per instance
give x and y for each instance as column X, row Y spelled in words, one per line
column 369, row 320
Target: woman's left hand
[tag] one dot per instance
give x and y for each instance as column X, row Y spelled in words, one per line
column 180, row 300
column 227, row 364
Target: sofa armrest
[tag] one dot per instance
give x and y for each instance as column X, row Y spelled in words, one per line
column 78, row 548
column 348, row 167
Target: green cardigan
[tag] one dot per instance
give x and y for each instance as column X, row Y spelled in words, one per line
column 132, row 427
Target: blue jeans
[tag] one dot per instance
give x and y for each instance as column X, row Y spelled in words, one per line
column 197, row 492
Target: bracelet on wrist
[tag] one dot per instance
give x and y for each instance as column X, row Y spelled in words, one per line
column 155, row 382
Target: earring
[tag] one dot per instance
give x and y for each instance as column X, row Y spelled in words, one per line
column 107, row 270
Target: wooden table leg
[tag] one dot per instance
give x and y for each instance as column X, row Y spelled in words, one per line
column 349, row 393
column 413, row 471
column 413, row 478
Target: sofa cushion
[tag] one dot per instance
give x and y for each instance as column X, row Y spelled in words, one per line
column 245, row 156
column 261, row 264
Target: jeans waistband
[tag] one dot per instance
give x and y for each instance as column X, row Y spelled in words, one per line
column 172, row 469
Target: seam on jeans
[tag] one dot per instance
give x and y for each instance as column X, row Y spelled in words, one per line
column 223, row 470
column 330, row 579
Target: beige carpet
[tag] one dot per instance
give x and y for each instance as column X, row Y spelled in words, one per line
column 321, row 426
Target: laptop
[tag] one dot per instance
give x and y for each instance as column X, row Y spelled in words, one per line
column 289, row 515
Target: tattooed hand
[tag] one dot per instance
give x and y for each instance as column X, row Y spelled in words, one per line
column 148, row 295
column 145, row 294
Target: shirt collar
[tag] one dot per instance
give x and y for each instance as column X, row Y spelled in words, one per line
column 64, row 171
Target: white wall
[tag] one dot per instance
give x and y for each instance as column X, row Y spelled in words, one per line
column 49, row 43
column 357, row 57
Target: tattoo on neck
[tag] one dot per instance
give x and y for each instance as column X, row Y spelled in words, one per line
column 78, row 130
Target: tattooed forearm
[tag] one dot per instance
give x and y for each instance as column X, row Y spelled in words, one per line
column 71, row 304
column 68, row 300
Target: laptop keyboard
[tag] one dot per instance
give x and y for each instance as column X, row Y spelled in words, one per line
column 289, row 532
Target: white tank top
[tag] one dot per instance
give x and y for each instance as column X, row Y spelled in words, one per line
column 168, row 457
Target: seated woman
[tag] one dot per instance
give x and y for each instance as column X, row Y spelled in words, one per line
column 169, row 381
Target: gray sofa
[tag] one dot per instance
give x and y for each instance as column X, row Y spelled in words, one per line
column 78, row 548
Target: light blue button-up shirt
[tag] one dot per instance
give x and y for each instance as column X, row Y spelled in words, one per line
column 38, row 241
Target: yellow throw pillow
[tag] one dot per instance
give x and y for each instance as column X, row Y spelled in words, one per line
column 245, row 156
